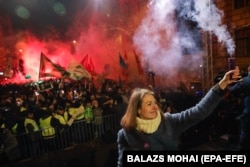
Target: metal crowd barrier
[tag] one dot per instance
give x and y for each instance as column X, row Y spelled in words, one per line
column 80, row 132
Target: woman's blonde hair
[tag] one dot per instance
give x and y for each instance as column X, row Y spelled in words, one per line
column 128, row 121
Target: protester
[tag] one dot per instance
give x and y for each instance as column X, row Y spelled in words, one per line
column 146, row 127
column 47, row 130
column 242, row 87
column 8, row 146
column 32, row 127
column 119, row 109
column 97, row 119
column 61, row 122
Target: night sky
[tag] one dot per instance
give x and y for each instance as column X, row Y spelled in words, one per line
column 39, row 16
column 101, row 29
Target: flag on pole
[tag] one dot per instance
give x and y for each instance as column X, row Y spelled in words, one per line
column 77, row 71
column 84, row 61
column 138, row 62
column 124, row 66
column 122, row 62
column 50, row 69
column 88, row 64
column 125, row 58
column 91, row 66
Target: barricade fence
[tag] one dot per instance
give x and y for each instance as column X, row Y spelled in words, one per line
column 80, row 132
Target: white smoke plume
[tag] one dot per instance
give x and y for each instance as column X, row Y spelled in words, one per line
column 209, row 18
column 167, row 41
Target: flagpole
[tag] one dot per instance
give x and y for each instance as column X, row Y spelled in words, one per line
column 40, row 66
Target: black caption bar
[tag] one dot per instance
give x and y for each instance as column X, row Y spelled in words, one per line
column 194, row 158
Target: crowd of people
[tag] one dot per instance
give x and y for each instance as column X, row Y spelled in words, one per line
column 57, row 104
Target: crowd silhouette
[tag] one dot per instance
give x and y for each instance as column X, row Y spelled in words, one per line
column 61, row 113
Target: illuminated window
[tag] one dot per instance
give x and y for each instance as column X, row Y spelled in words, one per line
column 241, row 3
column 242, row 41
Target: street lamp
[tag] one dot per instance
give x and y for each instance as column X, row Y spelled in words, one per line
column 151, row 76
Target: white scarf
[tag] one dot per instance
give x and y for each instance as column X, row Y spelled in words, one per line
column 148, row 126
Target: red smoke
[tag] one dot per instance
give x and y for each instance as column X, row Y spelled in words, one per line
column 100, row 31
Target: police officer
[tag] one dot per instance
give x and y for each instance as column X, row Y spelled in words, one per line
column 47, row 130
column 62, row 122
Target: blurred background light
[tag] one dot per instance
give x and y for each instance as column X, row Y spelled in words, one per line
column 22, row 12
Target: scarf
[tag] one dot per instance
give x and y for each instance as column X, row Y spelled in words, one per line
column 148, row 126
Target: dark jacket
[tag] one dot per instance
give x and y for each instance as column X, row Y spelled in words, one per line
column 243, row 87
column 167, row 135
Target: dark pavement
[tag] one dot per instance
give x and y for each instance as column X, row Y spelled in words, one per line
column 99, row 154
column 92, row 154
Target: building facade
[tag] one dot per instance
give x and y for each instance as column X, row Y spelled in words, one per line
column 237, row 19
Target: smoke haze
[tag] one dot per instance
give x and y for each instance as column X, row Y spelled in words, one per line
column 166, row 34
column 170, row 36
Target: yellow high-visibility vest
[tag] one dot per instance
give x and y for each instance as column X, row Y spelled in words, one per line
column 73, row 111
column 62, row 119
column 32, row 122
column 47, row 129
